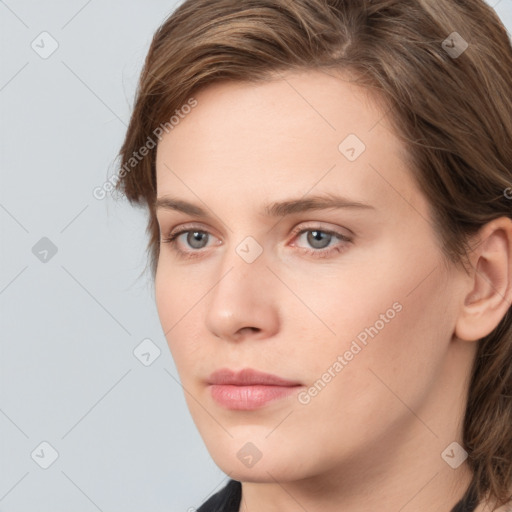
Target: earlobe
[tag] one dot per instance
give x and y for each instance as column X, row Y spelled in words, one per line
column 490, row 286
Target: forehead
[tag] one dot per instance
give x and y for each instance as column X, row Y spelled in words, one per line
column 312, row 102
column 302, row 130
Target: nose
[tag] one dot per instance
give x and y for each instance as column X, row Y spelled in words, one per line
column 243, row 303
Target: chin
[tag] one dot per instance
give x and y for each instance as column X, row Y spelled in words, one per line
column 269, row 468
column 260, row 473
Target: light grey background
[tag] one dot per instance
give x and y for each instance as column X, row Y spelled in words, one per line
column 69, row 325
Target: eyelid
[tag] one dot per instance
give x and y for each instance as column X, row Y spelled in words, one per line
column 191, row 226
column 327, row 252
column 316, row 226
column 183, row 228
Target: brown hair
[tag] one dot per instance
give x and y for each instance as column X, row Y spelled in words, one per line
column 454, row 113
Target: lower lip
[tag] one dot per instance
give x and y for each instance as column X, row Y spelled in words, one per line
column 246, row 398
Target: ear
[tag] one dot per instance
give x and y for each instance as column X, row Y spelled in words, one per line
column 489, row 292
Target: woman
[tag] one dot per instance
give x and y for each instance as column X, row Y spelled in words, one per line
column 328, row 189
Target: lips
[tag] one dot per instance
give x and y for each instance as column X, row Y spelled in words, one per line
column 248, row 389
column 248, row 377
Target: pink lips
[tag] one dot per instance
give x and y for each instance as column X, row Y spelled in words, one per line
column 248, row 389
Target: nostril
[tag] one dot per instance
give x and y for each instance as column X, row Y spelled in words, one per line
column 250, row 329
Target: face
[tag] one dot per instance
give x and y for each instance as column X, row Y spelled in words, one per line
column 301, row 248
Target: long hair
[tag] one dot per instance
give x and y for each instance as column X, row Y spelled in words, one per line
column 443, row 71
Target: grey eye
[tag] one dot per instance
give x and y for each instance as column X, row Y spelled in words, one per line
column 196, row 238
column 318, row 238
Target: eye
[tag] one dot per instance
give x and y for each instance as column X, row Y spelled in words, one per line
column 317, row 239
column 196, row 239
column 320, row 241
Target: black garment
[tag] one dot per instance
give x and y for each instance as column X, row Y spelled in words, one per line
column 228, row 500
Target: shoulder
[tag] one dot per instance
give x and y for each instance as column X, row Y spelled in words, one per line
column 226, row 500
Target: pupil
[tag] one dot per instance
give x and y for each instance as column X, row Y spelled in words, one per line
column 317, row 236
column 197, row 239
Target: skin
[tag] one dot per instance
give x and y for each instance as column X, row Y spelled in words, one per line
column 372, row 438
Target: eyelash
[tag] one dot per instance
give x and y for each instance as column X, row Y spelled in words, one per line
column 318, row 253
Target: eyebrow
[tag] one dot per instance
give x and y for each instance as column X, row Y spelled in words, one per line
column 277, row 209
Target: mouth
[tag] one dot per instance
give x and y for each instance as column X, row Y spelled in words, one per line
column 248, row 389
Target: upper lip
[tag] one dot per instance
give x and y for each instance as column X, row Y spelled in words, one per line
column 248, row 377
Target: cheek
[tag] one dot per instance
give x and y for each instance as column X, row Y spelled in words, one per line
column 395, row 315
column 178, row 300
column 392, row 335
